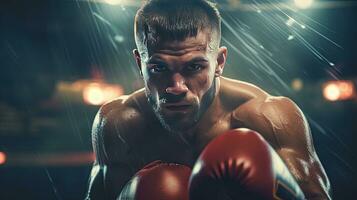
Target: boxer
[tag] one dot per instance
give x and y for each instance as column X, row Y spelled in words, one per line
column 187, row 107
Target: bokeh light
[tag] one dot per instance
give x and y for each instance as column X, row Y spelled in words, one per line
column 303, row 4
column 99, row 93
column 297, row 84
column 331, row 92
column 2, row 158
column 338, row 90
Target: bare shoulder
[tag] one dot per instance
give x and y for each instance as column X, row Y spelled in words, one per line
column 112, row 131
column 124, row 112
column 277, row 118
column 234, row 93
column 283, row 125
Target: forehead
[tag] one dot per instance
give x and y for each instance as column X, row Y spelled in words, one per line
column 191, row 45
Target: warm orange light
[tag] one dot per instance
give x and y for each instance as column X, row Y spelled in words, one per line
column 338, row 90
column 297, row 84
column 98, row 93
column 2, row 158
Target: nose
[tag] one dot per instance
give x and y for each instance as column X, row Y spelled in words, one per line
column 177, row 86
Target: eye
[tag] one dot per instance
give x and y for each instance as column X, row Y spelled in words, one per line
column 194, row 68
column 155, row 69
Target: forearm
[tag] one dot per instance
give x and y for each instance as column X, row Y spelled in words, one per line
column 321, row 195
column 96, row 184
column 315, row 190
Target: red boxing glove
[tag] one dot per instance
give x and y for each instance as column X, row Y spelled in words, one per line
column 240, row 164
column 158, row 181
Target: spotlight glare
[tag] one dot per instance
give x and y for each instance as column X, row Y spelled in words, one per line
column 2, row 158
column 112, row 2
column 93, row 94
column 338, row 90
column 99, row 93
column 303, row 4
column 331, row 92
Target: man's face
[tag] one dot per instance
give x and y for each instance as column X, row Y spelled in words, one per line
column 179, row 80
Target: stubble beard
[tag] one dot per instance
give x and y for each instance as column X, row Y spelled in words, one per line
column 178, row 123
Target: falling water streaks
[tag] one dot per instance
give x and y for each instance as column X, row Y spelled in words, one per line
column 112, row 28
column 311, row 48
column 67, row 61
column 277, row 24
column 262, row 51
column 331, row 135
column 347, row 165
column 274, row 25
column 254, row 52
column 239, row 52
column 70, row 113
column 290, row 22
column 94, row 37
column 52, row 184
column 305, row 26
column 114, row 37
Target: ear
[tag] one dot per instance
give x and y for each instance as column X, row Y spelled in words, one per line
column 137, row 60
column 221, row 61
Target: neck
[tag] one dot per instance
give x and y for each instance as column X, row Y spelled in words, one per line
column 211, row 116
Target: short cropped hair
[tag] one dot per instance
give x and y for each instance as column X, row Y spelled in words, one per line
column 162, row 20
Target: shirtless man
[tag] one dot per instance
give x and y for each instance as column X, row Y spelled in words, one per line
column 186, row 104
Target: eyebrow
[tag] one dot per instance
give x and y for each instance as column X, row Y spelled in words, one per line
column 198, row 59
column 156, row 59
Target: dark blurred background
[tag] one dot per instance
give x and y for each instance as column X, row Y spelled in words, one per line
column 60, row 60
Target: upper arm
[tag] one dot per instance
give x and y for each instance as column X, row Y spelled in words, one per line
column 293, row 142
column 113, row 165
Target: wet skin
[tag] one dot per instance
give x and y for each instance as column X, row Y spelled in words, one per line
column 185, row 104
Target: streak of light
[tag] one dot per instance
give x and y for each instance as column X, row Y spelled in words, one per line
column 52, row 184
column 328, row 133
column 295, row 32
column 259, row 57
column 311, row 48
column 243, row 6
column 338, row 90
column 290, row 21
column 50, row 159
column 98, row 16
column 259, row 7
column 340, row 158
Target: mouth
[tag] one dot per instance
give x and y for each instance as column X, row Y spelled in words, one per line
column 178, row 107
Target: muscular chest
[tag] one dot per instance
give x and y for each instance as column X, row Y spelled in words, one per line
column 165, row 147
column 159, row 144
